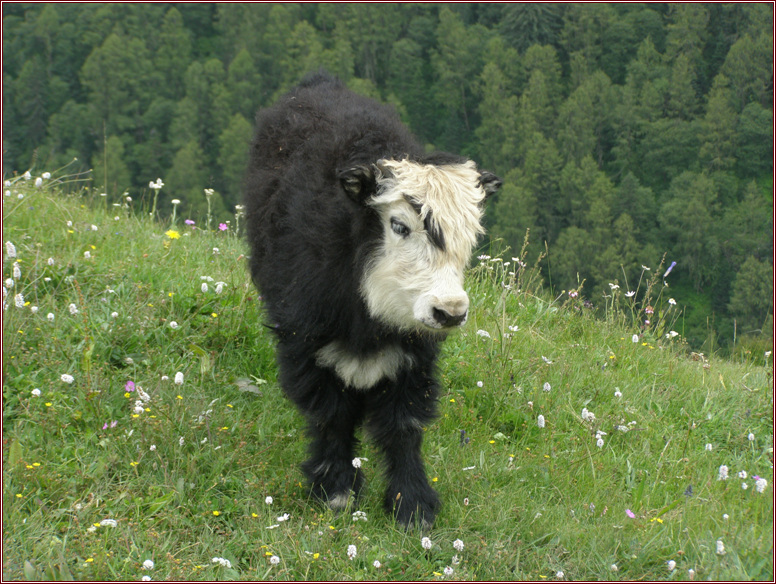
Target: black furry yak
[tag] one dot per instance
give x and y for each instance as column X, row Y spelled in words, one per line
column 359, row 241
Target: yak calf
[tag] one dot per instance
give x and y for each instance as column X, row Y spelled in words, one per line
column 359, row 241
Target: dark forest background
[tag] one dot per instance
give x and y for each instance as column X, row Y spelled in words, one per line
column 623, row 132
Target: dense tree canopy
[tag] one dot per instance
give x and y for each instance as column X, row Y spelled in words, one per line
column 624, row 132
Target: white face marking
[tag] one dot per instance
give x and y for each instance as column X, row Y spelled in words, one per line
column 363, row 372
column 412, row 283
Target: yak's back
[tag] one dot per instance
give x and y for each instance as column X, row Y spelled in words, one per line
column 321, row 126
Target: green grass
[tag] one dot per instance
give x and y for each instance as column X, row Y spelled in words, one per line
column 527, row 502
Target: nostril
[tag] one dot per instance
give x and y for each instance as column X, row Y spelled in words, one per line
column 445, row 319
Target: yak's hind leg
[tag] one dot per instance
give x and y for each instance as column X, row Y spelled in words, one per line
column 397, row 417
column 332, row 415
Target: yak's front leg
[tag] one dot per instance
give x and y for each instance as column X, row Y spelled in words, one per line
column 330, row 469
column 333, row 414
column 397, row 418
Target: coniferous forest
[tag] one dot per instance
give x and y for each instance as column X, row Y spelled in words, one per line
column 626, row 134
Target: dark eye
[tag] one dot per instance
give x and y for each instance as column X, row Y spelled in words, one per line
column 399, row 228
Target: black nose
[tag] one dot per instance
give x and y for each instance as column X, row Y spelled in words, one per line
column 445, row 319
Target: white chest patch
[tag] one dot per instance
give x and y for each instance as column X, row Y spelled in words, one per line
column 363, row 372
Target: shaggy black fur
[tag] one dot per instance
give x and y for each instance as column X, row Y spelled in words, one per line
column 310, row 236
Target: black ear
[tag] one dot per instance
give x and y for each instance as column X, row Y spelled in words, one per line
column 359, row 182
column 490, row 183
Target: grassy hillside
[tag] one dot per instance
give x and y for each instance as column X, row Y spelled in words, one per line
column 170, row 433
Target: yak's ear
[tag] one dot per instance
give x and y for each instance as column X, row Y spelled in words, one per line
column 490, row 183
column 359, row 182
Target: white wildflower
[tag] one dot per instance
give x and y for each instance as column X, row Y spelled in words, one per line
column 19, row 301
column 449, row 571
column 38, row 182
column 720, row 548
column 458, row 545
column 351, row 552
column 181, row 441
column 742, row 474
column 220, row 287
column 114, row 314
column 708, row 447
column 671, row 565
column 376, row 563
column 179, row 378
column 635, row 338
column 10, row 249
column 152, row 448
column 17, row 271
column 540, row 421
column 35, row 392
column 51, row 261
column 760, row 485
column 268, row 500
column 546, row 360
column 50, row 316
column 173, row 324
column 87, row 255
column 274, row 560
column 484, row 334
column 108, row 523
column 426, row 543
column 723, row 473
column 222, row 561
column 547, row 386
column 559, row 574
column 148, row 565
column 73, row 309
column 617, row 392
column 750, row 437
column 67, row 378
column 203, row 287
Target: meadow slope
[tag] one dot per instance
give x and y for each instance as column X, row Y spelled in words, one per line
column 142, row 420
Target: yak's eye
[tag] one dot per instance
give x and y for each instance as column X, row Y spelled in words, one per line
column 399, row 228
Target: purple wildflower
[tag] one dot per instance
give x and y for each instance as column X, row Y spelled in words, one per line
column 630, row 513
column 130, row 386
column 671, row 267
column 223, row 226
